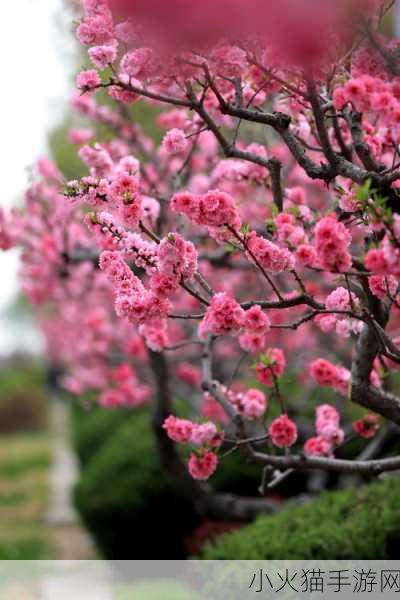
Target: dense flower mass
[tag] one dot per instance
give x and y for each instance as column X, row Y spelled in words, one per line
column 246, row 255
column 283, row 432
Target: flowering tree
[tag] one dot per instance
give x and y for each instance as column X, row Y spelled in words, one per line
column 261, row 237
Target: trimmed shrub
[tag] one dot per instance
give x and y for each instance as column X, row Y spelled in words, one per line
column 131, row 507
column 91, row 429
column 362, row 523
column 128, row 502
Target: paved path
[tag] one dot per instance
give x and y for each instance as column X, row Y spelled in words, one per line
column 71, row 541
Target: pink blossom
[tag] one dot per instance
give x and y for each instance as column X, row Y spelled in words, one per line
column 383, row 287
column 318, row 446
column 96, row 29
column 203, row 464
column 203, row 434
column 326, row 414
column 187, row 204
column 306, row 255
column 271, row 257
column 212, row 410
column 80, row 136
column 283, row 432
column 178, row 430
column 177, row 257
column 139, row 63
column 333, row 434
column 256, row 321
column 332, row 241
column 189, row 374
column 340, row 299
column 102, row 56
column 367, row 427
column 274, row 366
column 175, row 142
column 375, row 261
column 252, row 342
column 111, row 399
column 223, row 316
column 217, row 209
column 88, row 80
column 328, row 375
column 253, row 404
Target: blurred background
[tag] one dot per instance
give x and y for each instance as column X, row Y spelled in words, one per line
column 39, row 56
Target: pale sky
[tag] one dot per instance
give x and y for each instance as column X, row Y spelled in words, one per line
column 35, row 51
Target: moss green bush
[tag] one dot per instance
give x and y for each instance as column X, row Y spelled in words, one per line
column 92, row 428
column 362, row 523
column 128, row 502
column 132, row 508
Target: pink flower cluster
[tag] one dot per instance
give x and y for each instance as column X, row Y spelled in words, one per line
column 133, row 301
column 252, row 404
column 328, row 375
column 177, row 258
column 332, row 241
column 128, row 391
column 189, row 374
column 329, row 434
column 256, row 325
column 383, row 286
column 223, row 316
column 283, row 432
column 340, row 300
column 367, row 426
column 272, row 366
column 271, row 257
column 373, row 96
column 97, row 27
column 385, row 260
column 226, row 316
column 203, row 462
column 88, row 80
column 215, row 209
column 124, row 193
column 175, row 142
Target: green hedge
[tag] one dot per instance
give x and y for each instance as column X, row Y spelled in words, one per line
column 91, row 429
column 362, row 523
column 128, row 502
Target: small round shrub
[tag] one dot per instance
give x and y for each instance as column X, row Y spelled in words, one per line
column 362, row 523
column 131, row 507
column 124, row 494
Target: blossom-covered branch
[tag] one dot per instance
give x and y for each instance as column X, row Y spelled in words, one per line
column 254, row 238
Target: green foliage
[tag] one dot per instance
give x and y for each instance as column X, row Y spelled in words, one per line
column 91, row 429
column 123, row 488
column 24, row 463
column 22, row 398
column 378, row 208
column 132, row 508
column 64, row 154
column 361, row 523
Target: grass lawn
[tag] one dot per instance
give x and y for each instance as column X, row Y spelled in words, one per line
column 24, row 464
